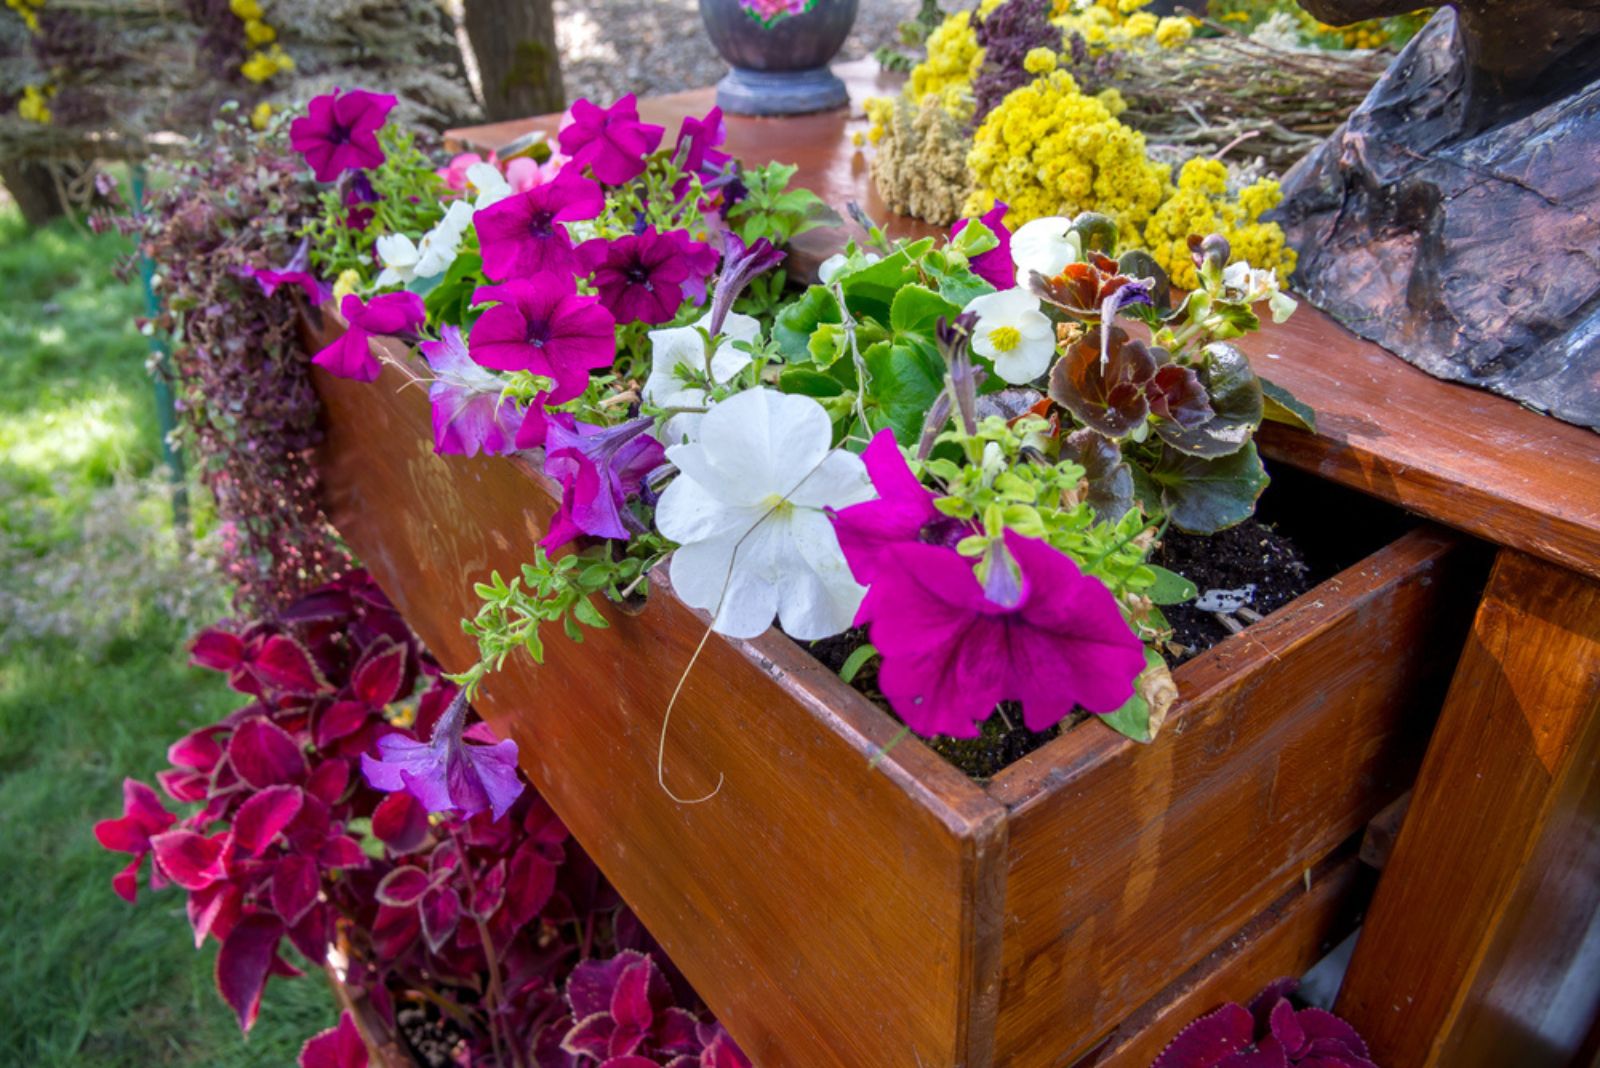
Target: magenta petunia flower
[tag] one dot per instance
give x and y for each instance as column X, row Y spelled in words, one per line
column 1044, row 634
column 642, row 277
column 599, row 468
column 994, row 266
column 393, row 314
column 469, row 413
column 541, row 325
column 522, row 235
column 697, row 147
column 445, row 773
column 903, row 513
column 339, row 131
column 612, row 142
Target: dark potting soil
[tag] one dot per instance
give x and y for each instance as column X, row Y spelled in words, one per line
column 429, row 1034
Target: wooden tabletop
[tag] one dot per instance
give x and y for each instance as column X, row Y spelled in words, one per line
column 1461, row 456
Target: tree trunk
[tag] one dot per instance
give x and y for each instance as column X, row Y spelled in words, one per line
column 515, row 42
column 32, row 186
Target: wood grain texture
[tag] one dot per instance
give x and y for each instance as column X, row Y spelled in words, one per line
column 1130, row 863
column 1495, row 877
column 833, row 913
column 1289, row 937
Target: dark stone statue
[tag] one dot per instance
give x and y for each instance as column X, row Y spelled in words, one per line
column 1455, row 217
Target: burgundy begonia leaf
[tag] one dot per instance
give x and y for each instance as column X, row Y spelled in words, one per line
column 341, row 851
column 328, row 780
column 400, row 822
column 378, row 674
column 189, row 859
column 337, row 1047
column 265, row 755
column 341, row 719
column 1105, row 387
column 284, row 664
column 247, row 956
column 214, row 910
column 1234, row 394
column 403, row 887
column 591, row 1036
column 264, row 816
column 295, row 882
column 440, row 909
column 1176, row 393
column 1108, row 477
column 1209, row 1041
column 216, row 649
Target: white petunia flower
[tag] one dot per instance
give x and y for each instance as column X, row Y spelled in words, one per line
column 1247, row 285
column 1014, row 334
column 1045, row 245
column 747, row 513
column 491, row 185
column 683, row 345
column 405, row 260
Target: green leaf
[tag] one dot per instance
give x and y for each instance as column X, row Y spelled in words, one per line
column 1170, row 587
column 1281, row 406
column 918, row 309
column 809, row 383
column 1204, row 495
column 870, row 292
column 799, row 319
column 905, row 377
column 1235, row 394
column 450, row 299
column 1133, row 718
column 588, row 614
column 960, row 286
column 856, row 661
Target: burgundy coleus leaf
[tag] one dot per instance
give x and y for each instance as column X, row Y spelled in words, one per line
column 1104, row 385
column 400, row 822
column 1211, row 1040
column 440, row 909
column 341, row 851
column 264, row 816
column 393, row 931
column 1331, row 1038
column 403, row 887
column 217, row 650
column 248, row 955
column 143, row 815
column 312, row 934
column 214, row 910
column 295, row 883
column 1176, row 393
column 341, row 719
column 719, row 1049
column 264, row 754
column 328, row 780
column 285, row 665
column 190, row 859
column 184, row 786
column 198, row 750
column 338, row 1047
column 488, row 891
column 532, row 880
column 379, row 673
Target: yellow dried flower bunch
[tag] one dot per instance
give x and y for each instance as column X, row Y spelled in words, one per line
column 953, row 58
column 1121, row 25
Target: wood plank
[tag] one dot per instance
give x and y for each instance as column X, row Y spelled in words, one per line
column 1130, row 863
column 810, row 873
column 1495, row 878
column 1289, row 937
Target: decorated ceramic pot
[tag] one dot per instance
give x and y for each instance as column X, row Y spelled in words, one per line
column 779, row 52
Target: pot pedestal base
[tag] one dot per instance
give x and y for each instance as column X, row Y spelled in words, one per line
column 789, row 92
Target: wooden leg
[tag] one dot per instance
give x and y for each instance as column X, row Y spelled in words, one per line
column 1482, row 945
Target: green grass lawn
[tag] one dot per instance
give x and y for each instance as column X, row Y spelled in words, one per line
column 93, row 685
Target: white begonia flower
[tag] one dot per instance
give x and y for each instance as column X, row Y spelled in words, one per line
column 405, row 260
column 830, row 268
column 747, row 513
column 1045, row 245
column 1247, row 285
column 1014, row 334
column 491, row 185
column 683, row 346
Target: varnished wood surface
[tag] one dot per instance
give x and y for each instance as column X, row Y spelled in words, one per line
column 1466, row 458
column 1495, row 878
column 1129, row 863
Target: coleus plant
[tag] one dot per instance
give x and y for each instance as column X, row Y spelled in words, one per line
column 349, row 812
column 1271, row 1033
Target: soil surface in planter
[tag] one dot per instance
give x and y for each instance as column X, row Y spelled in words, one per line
column 1292, row 544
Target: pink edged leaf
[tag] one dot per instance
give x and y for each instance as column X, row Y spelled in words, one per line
column 142, row 815
column 532, row 881
column 591, row 1036
column 401, row 823
column 295, row 882
column 310, row 935
column 394, row 930
column 590, row 986
column 632, row 1005
column 284, row 664
column 199, row 750
column 630, row 1061
column 674, row 1032
column 441, row 912
column 264, row 816
column 1286, row 1029
column 341, row 719
column 490, row 892
column 184, row 786
column 378, row 676
column 542, row 823
column 337, row 1047
column 217, row 650
column 1269, row 1055
column 265, row 755
column 1209, row 1040
column 721, row 1051
column 247, row 956
column 328, row 781
column 403, row 887
column 191, row 860
column 125, row 884
column 214, row 911
column 342, row 851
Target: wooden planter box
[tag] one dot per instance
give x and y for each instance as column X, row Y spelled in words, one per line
column 837, row 913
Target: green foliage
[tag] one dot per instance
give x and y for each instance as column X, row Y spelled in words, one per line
column 772, row 210
column 408, row 203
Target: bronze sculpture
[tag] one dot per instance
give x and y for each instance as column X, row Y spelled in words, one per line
column 1455, row 217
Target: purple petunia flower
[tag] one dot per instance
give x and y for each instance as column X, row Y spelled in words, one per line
column 445, row 773
column 994, row 266
column 297, row 272
column 612, row 141
column 541, row 325
column 469, row 413
column 903, row 513
column 1044, row 634
column 522, row 235
column 599, row 468
column 643, row 277
column 339, row 131
column 740, row 266
column 393, row 314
